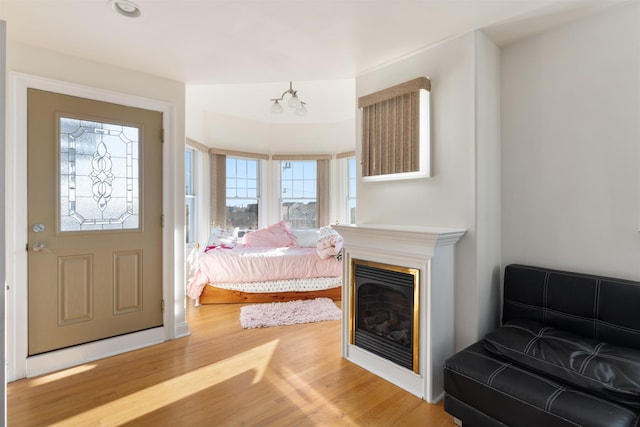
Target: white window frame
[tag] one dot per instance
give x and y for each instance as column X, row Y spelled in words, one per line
column 342, row 193
column 348, row 165
column 195, row 160
column 202, row 189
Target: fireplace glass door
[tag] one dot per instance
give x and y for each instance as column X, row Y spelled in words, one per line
column 385, row 312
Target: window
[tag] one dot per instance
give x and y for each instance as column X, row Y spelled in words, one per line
column 190, row 195
column 298, row 192
column 347, row 187
column 99, row 183
column 242, row 192
column 235, row 188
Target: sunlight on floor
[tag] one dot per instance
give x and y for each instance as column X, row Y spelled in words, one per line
column 312, row 403
column 46, row 379
column 153, row 398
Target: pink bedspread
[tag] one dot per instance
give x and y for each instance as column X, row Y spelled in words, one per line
column 251, row 264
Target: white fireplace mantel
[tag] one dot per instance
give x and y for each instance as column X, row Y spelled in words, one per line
column 431, row 251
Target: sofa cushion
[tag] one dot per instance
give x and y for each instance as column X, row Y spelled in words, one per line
column 520, row 397
column 597, row 307
column 610, row 371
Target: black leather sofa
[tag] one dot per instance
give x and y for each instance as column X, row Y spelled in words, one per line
column 567, row 354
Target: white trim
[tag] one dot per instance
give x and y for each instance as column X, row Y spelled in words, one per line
column 264, row 196
column 202, row 189
column 202, row 192
column 273, row 192
column 344, row 212
column 18, row 364
column 3, row 228
column 66, row 358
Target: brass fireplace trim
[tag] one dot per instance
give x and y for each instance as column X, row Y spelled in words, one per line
column 416, row 302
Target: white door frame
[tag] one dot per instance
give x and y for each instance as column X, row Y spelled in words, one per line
column 19, row 365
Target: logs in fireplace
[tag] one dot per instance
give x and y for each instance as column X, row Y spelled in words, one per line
column 386, row 312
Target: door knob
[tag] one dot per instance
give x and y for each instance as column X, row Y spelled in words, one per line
column 40, row 247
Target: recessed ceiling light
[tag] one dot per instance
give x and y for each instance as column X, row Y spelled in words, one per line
column 125, row 8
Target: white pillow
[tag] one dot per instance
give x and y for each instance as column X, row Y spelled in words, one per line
column 222, row 237
column 306, row 238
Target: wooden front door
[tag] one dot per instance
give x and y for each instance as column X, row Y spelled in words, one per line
column 95, row 220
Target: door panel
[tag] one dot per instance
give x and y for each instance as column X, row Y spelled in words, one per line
column 95, row 220
column 75, row 289
column 127, row 291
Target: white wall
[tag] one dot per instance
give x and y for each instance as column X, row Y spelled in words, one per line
column 235, row 133
column 450, row 198
column 571, row 146
column 488, row 183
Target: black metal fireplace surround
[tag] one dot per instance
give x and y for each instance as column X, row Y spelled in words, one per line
column 384, row 311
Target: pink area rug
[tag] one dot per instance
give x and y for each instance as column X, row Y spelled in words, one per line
column 288, row 313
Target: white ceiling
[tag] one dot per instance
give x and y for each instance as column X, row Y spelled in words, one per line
column 213, row 42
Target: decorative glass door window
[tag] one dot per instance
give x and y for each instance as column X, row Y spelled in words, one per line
column 99, row 176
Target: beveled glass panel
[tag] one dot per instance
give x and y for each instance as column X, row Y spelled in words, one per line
column 98, row 176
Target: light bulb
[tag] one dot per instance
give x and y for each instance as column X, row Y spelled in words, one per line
column 294, row 102
column 276, row 108
column 302, row 110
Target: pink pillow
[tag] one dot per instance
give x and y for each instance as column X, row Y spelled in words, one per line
column 276, row 235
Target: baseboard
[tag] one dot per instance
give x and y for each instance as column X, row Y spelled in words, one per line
column 77, row 355
column 182, row 330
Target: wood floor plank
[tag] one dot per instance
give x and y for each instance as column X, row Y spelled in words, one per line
column 223, row 375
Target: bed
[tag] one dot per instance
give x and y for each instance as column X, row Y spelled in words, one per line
column 272, row 264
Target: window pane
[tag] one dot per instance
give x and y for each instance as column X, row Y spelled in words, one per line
column 252, row 171
column 190, row 156
column 242, row 193
column 231, row 167
column 188, row 171
column 298, row 193
column 98, row 175
column 190, row 220
column 252, row 193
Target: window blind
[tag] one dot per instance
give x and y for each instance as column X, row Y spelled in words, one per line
column 391, row 129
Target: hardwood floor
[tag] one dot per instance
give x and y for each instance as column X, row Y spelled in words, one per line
column 223, row 375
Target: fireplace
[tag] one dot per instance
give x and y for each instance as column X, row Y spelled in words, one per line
column 384, row 318
column 405, row 276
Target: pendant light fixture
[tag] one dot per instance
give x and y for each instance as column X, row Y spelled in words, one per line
column 294, row 102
